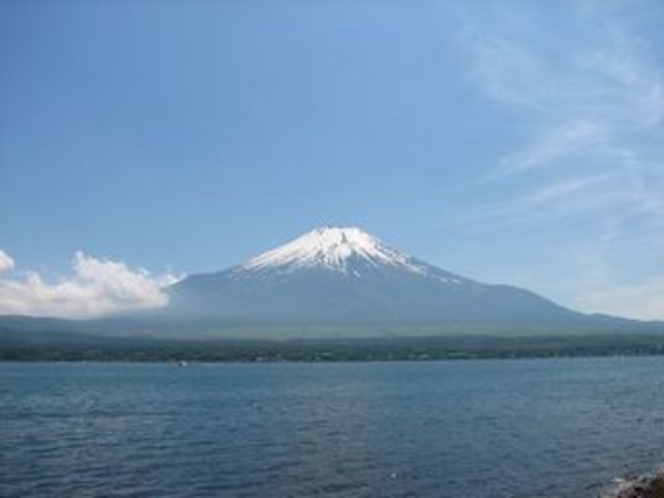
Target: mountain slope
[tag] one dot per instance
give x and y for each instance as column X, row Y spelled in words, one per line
column 329, row 283
column 338, row 275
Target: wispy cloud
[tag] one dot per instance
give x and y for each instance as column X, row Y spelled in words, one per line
column 608, row 75
column 558, row 199
column 6, row 262
column 556, row 143
column 95, row 287
column 592, row 94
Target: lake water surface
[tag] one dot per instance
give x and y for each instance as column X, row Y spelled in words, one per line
column 522, row 428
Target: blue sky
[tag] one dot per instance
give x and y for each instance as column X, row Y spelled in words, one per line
column 512, row 142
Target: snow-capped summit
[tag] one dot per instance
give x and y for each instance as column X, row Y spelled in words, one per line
column 345, row 276
column 331, row 248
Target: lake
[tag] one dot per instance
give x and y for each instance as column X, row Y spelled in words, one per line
column 502, row 428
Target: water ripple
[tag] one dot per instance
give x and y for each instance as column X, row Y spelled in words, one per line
column 553, row 428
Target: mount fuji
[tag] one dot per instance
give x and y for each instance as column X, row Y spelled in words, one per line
column 328, row 284
column 335, row 276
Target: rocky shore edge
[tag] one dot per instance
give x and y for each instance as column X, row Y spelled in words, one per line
column 647, row 486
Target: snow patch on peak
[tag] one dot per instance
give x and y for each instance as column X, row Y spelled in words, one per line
column 332, row 248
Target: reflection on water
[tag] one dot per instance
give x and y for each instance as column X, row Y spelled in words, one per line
column 468, row 428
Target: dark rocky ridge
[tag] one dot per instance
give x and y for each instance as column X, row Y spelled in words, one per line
column 647, row 486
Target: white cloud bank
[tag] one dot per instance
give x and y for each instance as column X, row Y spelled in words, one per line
column 96, row 287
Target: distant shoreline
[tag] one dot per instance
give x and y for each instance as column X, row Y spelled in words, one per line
column 120, row 359
column 106, row 349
